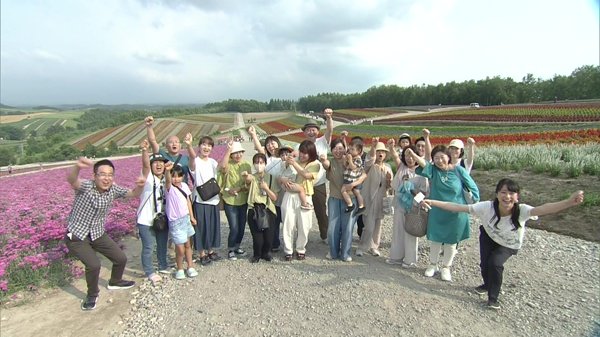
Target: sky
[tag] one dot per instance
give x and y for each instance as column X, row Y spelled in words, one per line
column 201, row 51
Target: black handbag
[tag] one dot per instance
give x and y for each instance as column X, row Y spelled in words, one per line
column 262, row 216
column 209, row 189
column 160, row 223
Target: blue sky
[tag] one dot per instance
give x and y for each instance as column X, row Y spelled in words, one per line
column 198, row 51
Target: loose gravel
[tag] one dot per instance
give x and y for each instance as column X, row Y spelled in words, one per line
column 551, row 288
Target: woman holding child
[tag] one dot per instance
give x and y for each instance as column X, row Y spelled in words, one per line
column 294, row 215
column 341, row 223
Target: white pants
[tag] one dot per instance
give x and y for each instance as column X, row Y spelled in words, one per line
column 449, row 250
column 371, row 235
column 404, row 247
column 297, row 220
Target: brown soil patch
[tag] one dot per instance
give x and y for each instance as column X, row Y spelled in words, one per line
column 579, row 222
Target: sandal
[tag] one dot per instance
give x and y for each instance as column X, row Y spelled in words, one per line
column 288, row 257
column 301, row 256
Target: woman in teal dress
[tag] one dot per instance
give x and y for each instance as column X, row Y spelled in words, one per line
column 445, row 229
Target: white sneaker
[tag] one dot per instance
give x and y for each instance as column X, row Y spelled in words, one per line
column 359, row 252
column 431, row 270
column 348, row 259
column 445, row 274
column 375, row 252
column 180, row 275
column 328, row 256
column 191, row 272
column 408, row 265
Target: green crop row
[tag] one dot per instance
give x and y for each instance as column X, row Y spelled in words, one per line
column 555, row 159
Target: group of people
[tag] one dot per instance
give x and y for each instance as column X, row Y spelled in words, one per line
column 280, row 193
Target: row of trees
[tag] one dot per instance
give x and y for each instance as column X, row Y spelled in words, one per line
column 583, row 83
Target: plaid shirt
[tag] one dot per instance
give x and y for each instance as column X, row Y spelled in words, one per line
column 89, row 210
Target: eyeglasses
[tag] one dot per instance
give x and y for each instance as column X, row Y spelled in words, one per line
column 105, row 175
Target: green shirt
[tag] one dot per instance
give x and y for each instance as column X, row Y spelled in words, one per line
column 233, row 179
column 255, row 195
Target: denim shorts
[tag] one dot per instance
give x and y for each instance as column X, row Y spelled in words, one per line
column 181, row 230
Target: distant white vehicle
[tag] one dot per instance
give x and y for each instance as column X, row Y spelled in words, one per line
column 475, row 105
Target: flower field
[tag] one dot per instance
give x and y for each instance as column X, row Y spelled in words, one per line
column 284, row 125
column 131, row 134
column 36, row 207
column 530, row 113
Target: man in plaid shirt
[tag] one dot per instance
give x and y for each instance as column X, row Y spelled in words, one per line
column 86, row 234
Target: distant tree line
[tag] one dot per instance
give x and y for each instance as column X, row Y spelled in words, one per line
column 583, row 83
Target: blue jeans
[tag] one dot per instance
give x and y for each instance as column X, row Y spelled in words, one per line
column 341, row 226
column 149, row 238
column 236, row 217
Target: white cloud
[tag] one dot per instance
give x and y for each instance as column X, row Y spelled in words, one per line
column 207, row 50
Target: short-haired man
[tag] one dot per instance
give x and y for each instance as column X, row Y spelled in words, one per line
column 86, row 233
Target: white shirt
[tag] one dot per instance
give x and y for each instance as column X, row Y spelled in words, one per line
column 504, row 233
column 146, row 209
column 205, row 169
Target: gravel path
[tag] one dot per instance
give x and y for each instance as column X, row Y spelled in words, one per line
column 551, row 288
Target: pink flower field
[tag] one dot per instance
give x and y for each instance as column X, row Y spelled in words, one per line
column 35, row 209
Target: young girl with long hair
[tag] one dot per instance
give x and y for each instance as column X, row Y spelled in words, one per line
column 502, row 230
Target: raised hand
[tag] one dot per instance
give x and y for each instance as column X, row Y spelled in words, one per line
column 84, row 162
column 140, row 181
column 149, row 121
column 144, row 145
column 323, row 157
column 188, row 139
column 344, row 133
column 252, row 130
column 470, row 141
column 168, row 166
column 328, row 112
column 426, row 133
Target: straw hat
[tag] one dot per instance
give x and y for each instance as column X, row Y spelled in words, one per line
column 381, row 147
column 457, row 143
column 237, row 147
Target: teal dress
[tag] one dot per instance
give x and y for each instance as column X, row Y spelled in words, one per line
column 444, row 226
